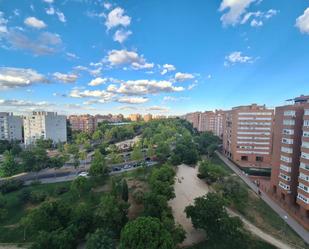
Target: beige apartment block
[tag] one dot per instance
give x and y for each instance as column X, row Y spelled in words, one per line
column 247, row 136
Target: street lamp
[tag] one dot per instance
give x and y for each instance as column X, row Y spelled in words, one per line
column 285, row 218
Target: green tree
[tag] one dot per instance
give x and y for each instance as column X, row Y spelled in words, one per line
column 79, row 185
column 209, row 213
column 210, row 171
column 115, row 158
column 98, row 164
column 9, row 166
column 162, row 151
column 146, row 232
column 101, row 239
column 112, row 213
column 124, row 191
column 44, row 143
column 137, row 153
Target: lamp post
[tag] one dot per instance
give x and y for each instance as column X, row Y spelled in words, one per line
column 285, row 218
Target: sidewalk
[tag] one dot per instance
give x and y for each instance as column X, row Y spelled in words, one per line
column 302, row 232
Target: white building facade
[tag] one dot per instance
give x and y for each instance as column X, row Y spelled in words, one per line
column 46, row 125
column 10, row 127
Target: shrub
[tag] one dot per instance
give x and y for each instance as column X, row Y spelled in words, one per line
column 38, row 196
column 10, row 186
column 138, row 196
column 24, row 195
column 59, row 190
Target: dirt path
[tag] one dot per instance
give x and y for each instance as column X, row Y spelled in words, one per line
column 187, row 187
column 259, row 233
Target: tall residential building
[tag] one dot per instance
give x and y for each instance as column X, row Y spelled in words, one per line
column 147, row 117
column 86, row 123
column 135, row 117
column 247, row 136
column 207, row 121
column 46, row 125
column 10, row 127
column 290, row 163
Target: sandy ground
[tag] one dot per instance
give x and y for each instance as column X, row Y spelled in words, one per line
column 187, row 187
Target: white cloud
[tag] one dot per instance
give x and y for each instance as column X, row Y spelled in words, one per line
column 235, row 9
column 132, row 100
column 97, row 81
column 168, row 68
column 117, row 18
column 124, row 57
column 180, row 77
column 50, row 11
column 190, row 87
column 158, row 108
column 258, row 17
column 302, row 22
column 174, row 99
column 22, row 103
column 67, row 78
column 3, row 22
column 72, row 55
column 48, row 1
column 11, row 77
column 121, row 35
column 237, row 57
column 61, row 16
column 144, row 87
column 102, row 95
column 256, row 23
column 107, row 5
column 35, row 23
column 45, row 43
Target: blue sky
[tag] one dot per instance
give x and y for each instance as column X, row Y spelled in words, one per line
column 163, row 57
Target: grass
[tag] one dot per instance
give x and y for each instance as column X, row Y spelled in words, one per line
column 261, row 215
column 254, row 244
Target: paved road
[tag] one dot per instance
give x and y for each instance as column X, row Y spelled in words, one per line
column 302, row 232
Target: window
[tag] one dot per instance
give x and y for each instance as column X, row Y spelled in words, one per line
column 289, row 122
column 285, row 177
column 304, row 177
column 306, row 123
column 304, row 166
column 303, row 187
column 284, row 186
column 259, row 159
column 286, row 159
column 285, row 168
column 306, row 112
column 305, row 145
column 287, row 141
column 289, row 113
column 288, row 132
column 306, row 134
column 287, row 150
column 305, row 155
column 303, row 198
column 244, row 158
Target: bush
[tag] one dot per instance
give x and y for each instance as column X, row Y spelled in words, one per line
column 10, row 186
column 210, row 171
column 24, row 195
column 38, row 196
column 59, row 190
column 138, row 196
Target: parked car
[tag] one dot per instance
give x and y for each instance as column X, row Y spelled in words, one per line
column 127, row 166
column 84, row 174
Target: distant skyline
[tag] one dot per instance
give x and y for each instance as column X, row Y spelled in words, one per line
column 161, row 57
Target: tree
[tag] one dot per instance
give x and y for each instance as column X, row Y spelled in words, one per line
column 145, row 232
column 98, row 164
column 82, row 156
column 137, row 153
column 154, row 205
column 79, row 185
column 101, row 239
column 115, row 158
column 111, row 213
column 211, row 172
column 9, row 166
column 162, row 151
column 209, row 213
column 124, row 191
column 44, row 143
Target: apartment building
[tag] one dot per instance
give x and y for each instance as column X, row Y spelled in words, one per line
column 147, row 117
column 46, row 125
column 247, row 136
column 135, row 117
column 10, row 127
column 194, row 119
column 85, row 123
column 290, row 163
column 206, row 121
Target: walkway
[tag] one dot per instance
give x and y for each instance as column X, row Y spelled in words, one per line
column 302, row 232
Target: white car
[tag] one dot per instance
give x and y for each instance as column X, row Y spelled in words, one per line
column 84, row 174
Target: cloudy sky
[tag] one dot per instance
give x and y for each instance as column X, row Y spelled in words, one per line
column 170, row 57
